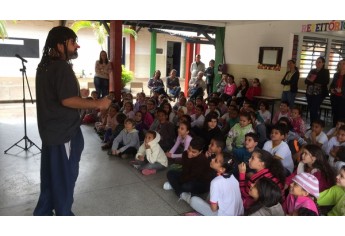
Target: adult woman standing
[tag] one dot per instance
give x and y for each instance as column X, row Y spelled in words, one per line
column 102, row 70
column 290, row 82
column 337, row 89
column 317, row 81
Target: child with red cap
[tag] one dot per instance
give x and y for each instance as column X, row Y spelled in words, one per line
column 303, row 191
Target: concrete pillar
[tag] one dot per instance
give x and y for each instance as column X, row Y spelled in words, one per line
column 219, row 57
column 115, row 83
column 153, row 53
column 189, row 61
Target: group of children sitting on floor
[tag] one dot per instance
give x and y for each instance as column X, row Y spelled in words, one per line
column 248, row 164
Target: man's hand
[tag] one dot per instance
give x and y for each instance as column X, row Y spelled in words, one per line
column 103, row 103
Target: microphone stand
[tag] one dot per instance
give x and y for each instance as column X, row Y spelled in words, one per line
column 28, row 142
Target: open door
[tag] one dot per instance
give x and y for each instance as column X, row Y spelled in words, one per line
column 173, row 57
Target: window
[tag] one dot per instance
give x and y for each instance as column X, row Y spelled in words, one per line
column 309, row 48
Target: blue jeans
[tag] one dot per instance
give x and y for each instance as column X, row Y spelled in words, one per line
column 101, row 86
column 58, row 176
column 289, row 97
column 175, row 92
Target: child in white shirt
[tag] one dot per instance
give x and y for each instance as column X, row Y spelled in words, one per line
column 279, row 149
column 225, row 195
column 316, row 134
column 331, row 147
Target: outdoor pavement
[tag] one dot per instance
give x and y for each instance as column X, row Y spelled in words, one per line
column 106, row 186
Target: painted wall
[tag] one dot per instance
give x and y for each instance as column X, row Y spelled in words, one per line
column 10, row 76
column 242, row 42
column 142, row 50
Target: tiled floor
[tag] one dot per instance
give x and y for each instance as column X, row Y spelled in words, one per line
column 106, row 186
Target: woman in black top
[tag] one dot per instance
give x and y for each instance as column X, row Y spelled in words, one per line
column 290, row 82
column 337, row 89
column 317, row 81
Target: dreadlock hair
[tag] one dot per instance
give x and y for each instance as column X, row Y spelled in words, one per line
column 57, row 35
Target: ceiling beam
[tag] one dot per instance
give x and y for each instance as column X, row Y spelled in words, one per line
column 106, row 26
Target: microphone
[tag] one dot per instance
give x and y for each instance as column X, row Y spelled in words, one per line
column 17, row 55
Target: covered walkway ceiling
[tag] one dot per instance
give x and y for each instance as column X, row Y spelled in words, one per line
column 160, row 26
column 172, row 25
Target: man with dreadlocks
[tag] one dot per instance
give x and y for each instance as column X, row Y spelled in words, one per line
column 58, row 104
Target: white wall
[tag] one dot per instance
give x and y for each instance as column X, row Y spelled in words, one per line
column 242, row 43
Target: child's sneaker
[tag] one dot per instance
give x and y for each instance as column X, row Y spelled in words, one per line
column 148, row 171
column 186, row 197
column 167, row 186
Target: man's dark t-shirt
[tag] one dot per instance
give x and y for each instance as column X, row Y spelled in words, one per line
column 56, row 123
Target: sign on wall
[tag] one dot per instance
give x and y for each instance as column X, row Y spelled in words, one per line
column 334, row 25
column 21, row 46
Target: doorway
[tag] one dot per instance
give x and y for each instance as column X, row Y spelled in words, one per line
column 173, row 57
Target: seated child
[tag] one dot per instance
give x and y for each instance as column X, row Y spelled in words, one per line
column 210, row 129
column 279, row 149
column 225, row 195
column 264, row 165
column 140, row 101
column 195, row 176
column 212, row 106
column 236, row 135
column 228, row 120
column 267, row 197
column 89, row 116
column 283, row 111
column 127, row 142
column 128, row 110
column 166, row 129
column 140, row 125
column 303, row 191
column 150, row 156
column 111, row 122
column 259, row 128
column 335, row 196
column 339, row 158
column 198, row 117
column 334, row 131
column 250, row 145
column 182, row 141
column 120, row 118
column 264, row 112
column 147, row 117
column 316, row 134
column 297, row 122
column 294, row 141
column 313, row 161
column 332, row 145
column 102, row 121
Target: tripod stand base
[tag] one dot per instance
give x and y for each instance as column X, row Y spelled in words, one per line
column 28, row 144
